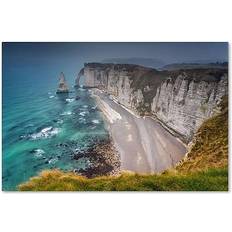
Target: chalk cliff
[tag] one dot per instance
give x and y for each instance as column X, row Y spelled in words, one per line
column 183, row 104
column 63, row 87
column 181, row 99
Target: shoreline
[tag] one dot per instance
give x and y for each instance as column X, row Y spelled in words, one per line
column 103, row 158
column 153, row 117
column 144, row 145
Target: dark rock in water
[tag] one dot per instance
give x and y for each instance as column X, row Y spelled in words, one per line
column 62, row 145
column 63, row 87
column 62, row 98
column 77, row 98
column 102, row 157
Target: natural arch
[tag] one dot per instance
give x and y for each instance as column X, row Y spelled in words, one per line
column 80, row 74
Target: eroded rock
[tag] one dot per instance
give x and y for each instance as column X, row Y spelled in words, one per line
column 63, row 87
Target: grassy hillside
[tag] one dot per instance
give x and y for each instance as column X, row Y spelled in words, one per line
column 204, row 169
column 210, row 149
column 210, row 180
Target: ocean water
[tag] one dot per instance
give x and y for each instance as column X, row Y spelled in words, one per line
column 41, row 129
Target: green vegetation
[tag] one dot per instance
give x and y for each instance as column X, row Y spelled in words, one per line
column 204, row 169
column 178, row 66
column 55, row 180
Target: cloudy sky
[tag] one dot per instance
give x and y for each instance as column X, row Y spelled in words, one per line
column 70, row 57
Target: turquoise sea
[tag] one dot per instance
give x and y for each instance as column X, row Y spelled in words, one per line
column 41, row 129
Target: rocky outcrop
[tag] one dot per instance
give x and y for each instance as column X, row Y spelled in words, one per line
column 63, row 87
column 181, row 99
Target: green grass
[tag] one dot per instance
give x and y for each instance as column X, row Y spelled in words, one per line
column 55, row 180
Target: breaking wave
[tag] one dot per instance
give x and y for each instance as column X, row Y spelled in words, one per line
column 47, row 132
column 38, row 152
column 83, row 113
column 52, row 161
column 95, row 121
column 69, row 100
column 67, row 113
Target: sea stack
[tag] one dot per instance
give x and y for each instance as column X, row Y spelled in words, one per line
column 63, row 87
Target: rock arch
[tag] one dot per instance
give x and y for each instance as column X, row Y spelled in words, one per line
column 80, row 74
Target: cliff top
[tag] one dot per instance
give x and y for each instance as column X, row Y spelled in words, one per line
column 126, row 67
column 199, row 74
column 208, row 75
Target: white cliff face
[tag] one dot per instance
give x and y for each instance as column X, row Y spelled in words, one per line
column 185, row 104
column 182, row 102
column 124, row 91
column 116, row 83
column 89, row 81
column 137, row 99
column 95, row 77
column 119, row 85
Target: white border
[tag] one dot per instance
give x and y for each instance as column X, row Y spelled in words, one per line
column 120, row 20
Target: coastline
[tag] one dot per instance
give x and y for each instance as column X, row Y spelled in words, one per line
column 103, row 157
column 144, row 145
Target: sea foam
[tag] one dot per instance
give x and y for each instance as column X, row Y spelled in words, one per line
column 83, row 113
column 60, row 121
column 52, row 161
column 69, row 100
column 95, row 121
column 38, row 152
column 66, row 113
column 47, row 132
